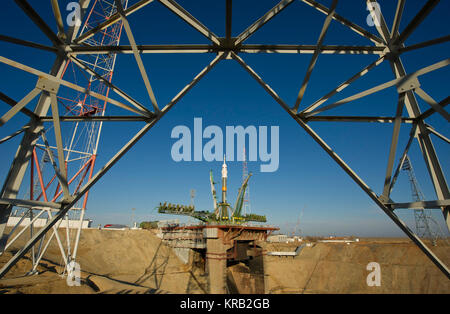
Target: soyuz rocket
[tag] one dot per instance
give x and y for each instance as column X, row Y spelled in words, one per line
column 224, row 181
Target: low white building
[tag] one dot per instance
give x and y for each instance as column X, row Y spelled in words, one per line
column 41, row 222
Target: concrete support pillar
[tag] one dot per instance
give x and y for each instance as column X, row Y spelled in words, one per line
column 257, row 267
column 216, row 265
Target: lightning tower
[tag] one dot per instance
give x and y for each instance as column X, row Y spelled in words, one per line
column 246, row 207
column 422, row 216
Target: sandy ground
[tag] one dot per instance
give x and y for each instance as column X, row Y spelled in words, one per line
column 135, row 261
column 341, row 268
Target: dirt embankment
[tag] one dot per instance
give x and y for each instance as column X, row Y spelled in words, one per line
column 111, row 261
column 135, row 261
column 341, row 268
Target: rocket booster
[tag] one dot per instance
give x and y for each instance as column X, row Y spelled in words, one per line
column 224, row 181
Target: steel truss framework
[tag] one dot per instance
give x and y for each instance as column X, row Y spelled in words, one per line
column 80, row 150
column 81, row 146
column 389, row 45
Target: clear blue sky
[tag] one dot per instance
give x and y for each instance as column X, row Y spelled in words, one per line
column 307, row 177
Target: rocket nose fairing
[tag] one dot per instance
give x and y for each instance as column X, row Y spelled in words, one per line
column 224, row 180
column 224, row 168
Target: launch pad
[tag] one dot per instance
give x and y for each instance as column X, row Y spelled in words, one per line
column 223, row 212
column 220, row 246
column 224, row 239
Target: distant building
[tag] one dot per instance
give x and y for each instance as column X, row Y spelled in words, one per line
column 277, row 238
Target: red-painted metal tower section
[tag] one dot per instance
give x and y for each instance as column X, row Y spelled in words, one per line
column 81, row 148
